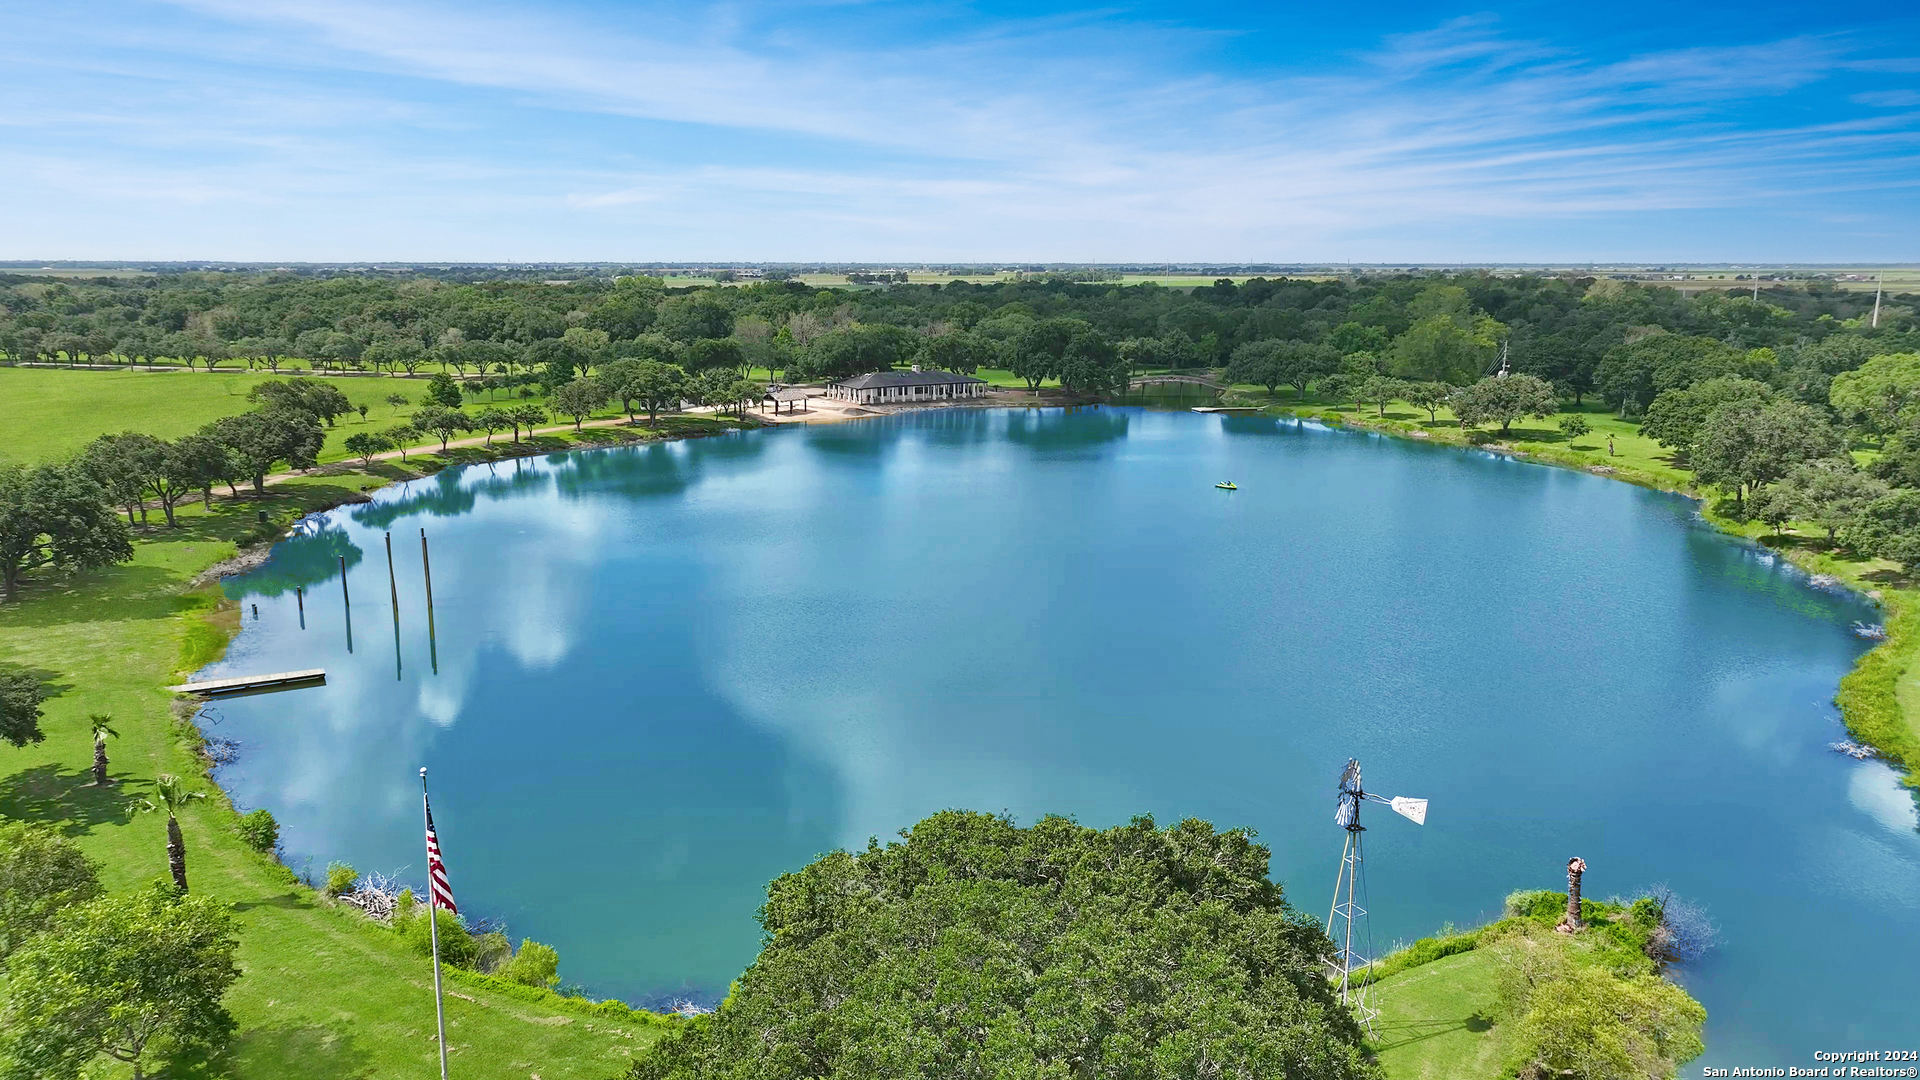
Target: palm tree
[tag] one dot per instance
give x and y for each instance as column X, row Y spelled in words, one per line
column 100, row 733
column 171, row 796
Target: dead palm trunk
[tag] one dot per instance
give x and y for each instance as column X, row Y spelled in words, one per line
column 1576, row 866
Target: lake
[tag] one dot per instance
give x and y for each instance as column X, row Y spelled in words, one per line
column 663, row 675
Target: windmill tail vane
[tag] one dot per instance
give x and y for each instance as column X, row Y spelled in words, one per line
column 1414, row 810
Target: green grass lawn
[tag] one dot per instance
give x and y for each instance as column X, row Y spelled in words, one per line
column 325, row 993
column 54, row 413
column 1434, row 1021
column 1004, row 378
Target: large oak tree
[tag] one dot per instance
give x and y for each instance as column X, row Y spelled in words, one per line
column 976, row 949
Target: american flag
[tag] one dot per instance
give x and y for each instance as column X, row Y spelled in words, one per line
column 442, row 893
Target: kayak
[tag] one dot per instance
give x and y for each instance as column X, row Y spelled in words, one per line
column 1227, row 485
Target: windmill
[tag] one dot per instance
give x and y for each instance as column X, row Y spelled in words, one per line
column 1349, row 915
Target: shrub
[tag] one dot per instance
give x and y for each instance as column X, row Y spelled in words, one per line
column 1590, row 1023
column 1536, row 904
column 534, row 965
column 1680, row 931
column 491, row 952
column 457, row 946
column 1429, row 949
column 260, row 831
column 341, row 879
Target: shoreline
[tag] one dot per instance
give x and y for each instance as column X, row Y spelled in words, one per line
column 1867, row 696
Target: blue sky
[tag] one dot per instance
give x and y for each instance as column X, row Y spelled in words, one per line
column 800, row 130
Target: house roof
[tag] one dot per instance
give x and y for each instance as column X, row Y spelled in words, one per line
column 876, row 379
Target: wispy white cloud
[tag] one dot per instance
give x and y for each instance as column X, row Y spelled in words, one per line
column 637, row 132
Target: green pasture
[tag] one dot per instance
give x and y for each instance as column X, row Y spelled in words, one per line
column 58, row 412
column 53, row 413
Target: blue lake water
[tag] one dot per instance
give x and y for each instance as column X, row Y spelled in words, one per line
column 666, row 674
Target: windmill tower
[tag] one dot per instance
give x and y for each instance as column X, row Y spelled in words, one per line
column 1879, row 284
column 1347, row 920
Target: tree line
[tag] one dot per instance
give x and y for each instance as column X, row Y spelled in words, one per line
column 1761, row 392
column 1445, row 328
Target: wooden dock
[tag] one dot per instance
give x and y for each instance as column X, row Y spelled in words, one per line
column 284, row 680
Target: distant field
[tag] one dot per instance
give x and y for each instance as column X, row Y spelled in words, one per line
column 53, row 413
column 1856, row 279
column 73, row 271
column 839, row 281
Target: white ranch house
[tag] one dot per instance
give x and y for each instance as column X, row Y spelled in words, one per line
column 906, row 387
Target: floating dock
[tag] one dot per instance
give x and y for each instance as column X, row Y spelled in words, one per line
column 284, row 680
column 1226, row 408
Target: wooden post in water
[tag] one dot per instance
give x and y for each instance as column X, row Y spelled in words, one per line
column 426, row 569
column 346, row 602
column 392, row 585
column 393, row 588
column 300, row 599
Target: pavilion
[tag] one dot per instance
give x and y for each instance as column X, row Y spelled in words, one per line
column 906, row 387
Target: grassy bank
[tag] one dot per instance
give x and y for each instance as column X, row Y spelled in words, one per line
column 1879, row 699
column 325, row 993
column 1442, row 1014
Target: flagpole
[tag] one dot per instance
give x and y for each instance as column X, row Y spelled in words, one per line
column 433, row 932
